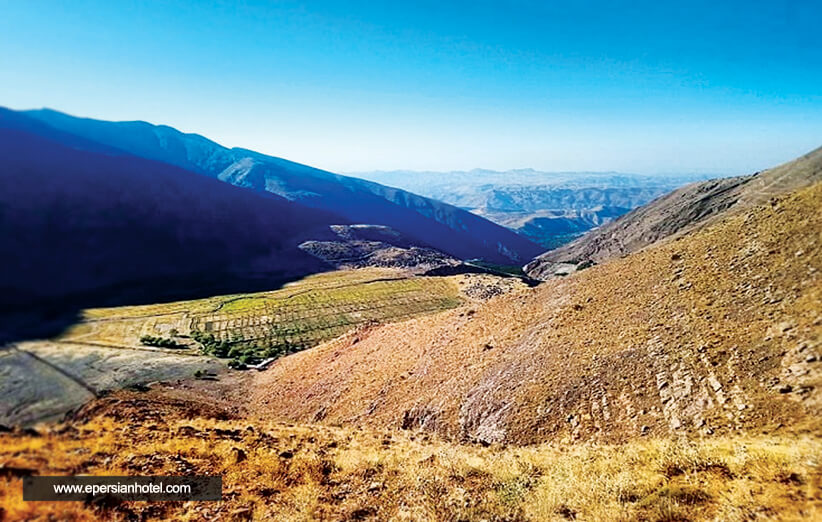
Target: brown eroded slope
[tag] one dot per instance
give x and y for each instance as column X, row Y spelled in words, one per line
column 717, row 331
column 682, row 210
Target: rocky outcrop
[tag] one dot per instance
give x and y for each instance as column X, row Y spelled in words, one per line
column 360, row 246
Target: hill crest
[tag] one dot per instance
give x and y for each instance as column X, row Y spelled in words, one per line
column 442, row 226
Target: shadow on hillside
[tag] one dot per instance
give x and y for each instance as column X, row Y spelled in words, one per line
column 22, row 318
column 465, row 268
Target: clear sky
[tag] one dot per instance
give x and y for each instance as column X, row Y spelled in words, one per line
column 716, row 86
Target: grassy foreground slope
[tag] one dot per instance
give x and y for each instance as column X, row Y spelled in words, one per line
column 715, row 333
column 285, row 472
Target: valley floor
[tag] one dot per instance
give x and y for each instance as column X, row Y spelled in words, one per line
column 41, row 380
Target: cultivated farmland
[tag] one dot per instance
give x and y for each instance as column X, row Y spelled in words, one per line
column 112, row 348
column 299, row 315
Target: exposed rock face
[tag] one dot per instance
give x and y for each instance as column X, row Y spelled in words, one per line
column 482, row 287
column 682, row 210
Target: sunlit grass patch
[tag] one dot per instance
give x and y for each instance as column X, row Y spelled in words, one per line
column 310, row 472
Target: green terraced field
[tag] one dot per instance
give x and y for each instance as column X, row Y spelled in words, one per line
column 299, row 315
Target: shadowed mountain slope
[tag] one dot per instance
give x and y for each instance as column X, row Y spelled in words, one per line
column 717, row 332
column 683, row 209
column 435, row 224
column 77, row 223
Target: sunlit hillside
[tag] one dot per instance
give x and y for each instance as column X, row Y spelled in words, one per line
column 311, row 472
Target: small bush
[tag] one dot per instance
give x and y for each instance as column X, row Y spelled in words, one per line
column 585, row 264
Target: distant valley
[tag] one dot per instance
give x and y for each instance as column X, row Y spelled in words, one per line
column 549, row 208
column 678, row 212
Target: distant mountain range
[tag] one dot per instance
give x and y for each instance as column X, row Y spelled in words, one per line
column 432, row 223
column 550, row 208
column 553, row 228
column 692, row 206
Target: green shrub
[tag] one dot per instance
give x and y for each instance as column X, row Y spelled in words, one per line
column 150, row 340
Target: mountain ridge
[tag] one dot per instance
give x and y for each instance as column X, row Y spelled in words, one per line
column 76, row 220
column 684, row 209
column 441, row 226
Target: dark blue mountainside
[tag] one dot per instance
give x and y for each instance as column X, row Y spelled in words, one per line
column 83, row 223
column 436, row 224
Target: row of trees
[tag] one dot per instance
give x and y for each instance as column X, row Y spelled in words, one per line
column 243, row 353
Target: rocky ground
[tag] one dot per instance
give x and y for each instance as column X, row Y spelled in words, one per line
column 482, row 287
column 361, row 246
column 41, row 381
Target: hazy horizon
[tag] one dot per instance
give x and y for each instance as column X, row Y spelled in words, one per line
column 641, row 88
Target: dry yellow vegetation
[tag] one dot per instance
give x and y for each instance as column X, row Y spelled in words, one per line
column 312, row 472
column 679, row 383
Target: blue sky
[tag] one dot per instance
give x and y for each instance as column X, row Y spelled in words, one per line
column 587, row 85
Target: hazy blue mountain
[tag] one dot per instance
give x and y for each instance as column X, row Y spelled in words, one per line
column 438, row 225
column 552, row 228
column 479, row 188
column 550, row 208
column 83, row 223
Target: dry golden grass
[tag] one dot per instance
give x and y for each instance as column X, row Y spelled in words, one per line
column 283, row 472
